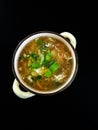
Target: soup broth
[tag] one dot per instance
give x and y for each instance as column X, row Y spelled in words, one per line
column 45, row 64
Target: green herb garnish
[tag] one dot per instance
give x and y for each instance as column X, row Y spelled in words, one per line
column 48, row 74
column 39, row 41
column 54, row 67
column 33, row 65
column 32, row 57
column 48, row 56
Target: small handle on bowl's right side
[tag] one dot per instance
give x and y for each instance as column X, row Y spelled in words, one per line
column 70, row 37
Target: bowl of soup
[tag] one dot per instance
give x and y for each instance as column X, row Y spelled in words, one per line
column 44, row 63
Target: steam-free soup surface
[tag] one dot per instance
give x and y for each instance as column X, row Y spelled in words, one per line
column 45, row 64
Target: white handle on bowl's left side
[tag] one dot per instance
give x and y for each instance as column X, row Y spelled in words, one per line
column 70, row 37
column 19, row 92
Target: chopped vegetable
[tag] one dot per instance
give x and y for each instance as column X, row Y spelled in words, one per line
column 48, row 73
column 41, row 70
column 41, row 63
column 38, row 77
column 51, row 70
column 32, row 57
column 39, row 41
column 33, row 65
column 30, row 79
column 43, row 47
column 48, row 63
column 54, row 67
column 48, row 56
column 40, row 59
column 34, row 73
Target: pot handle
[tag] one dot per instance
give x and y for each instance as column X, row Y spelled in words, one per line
column 19, row 92
column 70, row 37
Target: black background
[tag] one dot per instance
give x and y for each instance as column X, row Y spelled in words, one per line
column 75, row 107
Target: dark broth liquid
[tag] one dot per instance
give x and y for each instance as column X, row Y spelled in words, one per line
column 45, row 64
